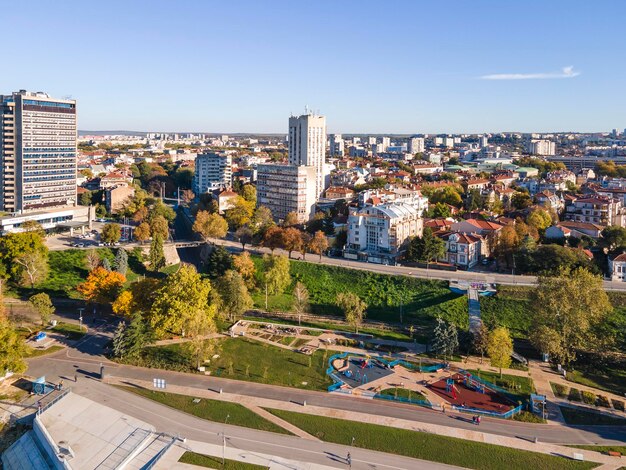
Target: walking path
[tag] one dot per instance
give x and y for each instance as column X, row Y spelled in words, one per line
column 473, row 435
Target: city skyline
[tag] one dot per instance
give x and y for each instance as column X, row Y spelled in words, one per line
column 427, row 68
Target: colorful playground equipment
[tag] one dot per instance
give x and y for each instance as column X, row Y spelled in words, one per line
column 452, row 388
column 367, row 362
column 473, row 384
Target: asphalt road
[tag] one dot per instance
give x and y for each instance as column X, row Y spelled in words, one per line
column 86, row 359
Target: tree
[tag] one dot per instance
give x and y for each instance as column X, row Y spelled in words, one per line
column 240, row 214
column 106, row 264
column 273, row 238
column 33, row 268
column 353, row 308
column 290, row 219
column 244, row 234
column 425, row 248
column 130, row 340
column 140, row 215
column 474, row 200
column 142, row 232
column 248, row 192
column 480, row 340
column 440, row 210
column 277, row 276
column 245, row 266
column 219, row 261
column 292, row 240
column 261, row 220
column 568, row 307
column 506, row 245
column 111, row 233
column 234, row 294
column 319, row 243
column 121, row 261
column 540, row 219
column 156, row 255
column 613, row 237
column 521, row 200
column 306, row 241
column 500, row 348
column 181, row 304
column 160, row 226
column 210, row 226
column 12, row 348
column 92, row 259
column 101, row 286
column 123, row 305
column 447, row 195
column 445, row 338
column 328, row 224
column 15, row 245
column 300, row 300
column 43, row 305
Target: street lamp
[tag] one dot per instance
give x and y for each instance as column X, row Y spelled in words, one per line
column 80, row 318
column 224, row 441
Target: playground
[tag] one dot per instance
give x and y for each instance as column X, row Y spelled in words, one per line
column 360, row 370
column 462, row 390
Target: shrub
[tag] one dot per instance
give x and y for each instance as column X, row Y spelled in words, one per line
column 560, row 390
column 528, row 417
column 574, row 394
column 618, row 405
column 603, row 401
column 589, row 398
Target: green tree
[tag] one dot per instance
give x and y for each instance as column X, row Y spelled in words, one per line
column 210, row 226
column 43, row 305
column 500, row 348
column 445, row 338
column 111, row 233
column 277, row 276
column 240, row 214
column 159, row 225
column 568, row 306
column 32, row 268
column 290, row 219
column 540, row 219
column 12, row 348
column 353, row 308
column 15, row 245
column 234, row 294
column 521, row 200
column 328, row 225
column 244, row 234
column 425, row 248
column 248, row 192
column 121, row 261
column 474, row 200
column 156, row 256
column 613, row 237
column 480, row 341
column 181, row 304
column 130, row 340
column 218, row 262
column 447, row 195
column 261, row 220
column 106, row 264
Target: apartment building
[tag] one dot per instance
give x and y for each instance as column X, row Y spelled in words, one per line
column 599, row 210
column 307, row 147
column 214, row 172
column 542, row 147
column 380, row 233
column 37, row 152
column 415, row 145
column 287, row 188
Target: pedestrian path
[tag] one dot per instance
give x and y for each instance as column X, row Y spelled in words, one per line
column 280, row 422
column 527, row 443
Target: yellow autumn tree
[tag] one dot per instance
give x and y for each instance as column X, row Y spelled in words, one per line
column 101, row 286
column 123, row 305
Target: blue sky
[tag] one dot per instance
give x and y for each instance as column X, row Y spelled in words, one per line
column 392, row 66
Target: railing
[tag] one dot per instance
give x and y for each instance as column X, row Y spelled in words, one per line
column 331, row 372
column 162, row 452
column 491, row 386
column 505, row 415
column 44, row 407
column 404, row 400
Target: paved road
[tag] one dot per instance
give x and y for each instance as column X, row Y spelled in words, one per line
column 86, row 359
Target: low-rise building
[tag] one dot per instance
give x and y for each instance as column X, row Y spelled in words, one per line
column 596, row 209
column 226, row 200
column 339, row 192
column 116, row 196
column 617, row 268
column 462, row 249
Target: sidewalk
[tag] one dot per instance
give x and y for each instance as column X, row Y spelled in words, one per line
column 477, row 436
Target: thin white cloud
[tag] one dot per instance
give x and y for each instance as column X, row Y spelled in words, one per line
column 566, row 72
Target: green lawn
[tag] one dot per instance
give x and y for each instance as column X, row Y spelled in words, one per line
column 404, row 393
column 426, row 446
column 510, row 307
column 603, row 449
column 208, row 461
column 579, row 416
column 611, row 378
column 211, row 410
column 250, row 360
column 70, row 330
column 32, row 352
column 521, row 387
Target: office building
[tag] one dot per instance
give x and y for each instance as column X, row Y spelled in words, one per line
column 37, row 152
column 483, row 141
column 307, row 146
column 287, row 188
column 415, row 145
column 385, row 142
column 214, row 172
column 542, row 147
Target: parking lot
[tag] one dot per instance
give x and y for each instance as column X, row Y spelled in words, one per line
column 63, row 241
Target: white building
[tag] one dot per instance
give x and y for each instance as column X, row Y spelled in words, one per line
column 617, row 268
column 384, row 142
column 336, row 145
column 542, row 147
column 415, row 145
column 37, row 152
column 287, row 188
column 380, row 233
column 213, row 172
column 307, row 146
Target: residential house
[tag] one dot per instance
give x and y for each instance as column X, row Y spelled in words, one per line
column 596, row 209
column 462, row 249
column 116, row 196
column 339, row 192
column 226, row 200
column 550, row 200
column 617, row 268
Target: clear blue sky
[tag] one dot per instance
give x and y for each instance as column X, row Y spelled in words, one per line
column 384, row 66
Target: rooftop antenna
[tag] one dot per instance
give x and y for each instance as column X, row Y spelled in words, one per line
column 306, row 109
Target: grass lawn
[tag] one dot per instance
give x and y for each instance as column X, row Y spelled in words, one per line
column 209, row 461
column 32, row 352
column 211, row 410
column 603, row 449
column 521, row 387
column 70, row 330
column 426, row 446
column 578, row 416
column 249, row 360
column 404, row 393
column 610, row 379
column 510, row 307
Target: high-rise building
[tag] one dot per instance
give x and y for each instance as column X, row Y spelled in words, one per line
column 415, row 145
column 336, row 145
column 385, row 142
column 213, row 172
column 287, row 188
column 542, row 147
column 307, row 146
column 483, row 141
column 37, row 151
column 371, row 140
